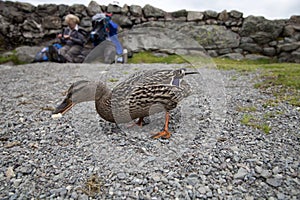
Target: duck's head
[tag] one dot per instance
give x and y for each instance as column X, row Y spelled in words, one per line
column 80, row 91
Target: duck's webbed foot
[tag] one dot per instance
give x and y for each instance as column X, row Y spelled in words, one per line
column 165, row 134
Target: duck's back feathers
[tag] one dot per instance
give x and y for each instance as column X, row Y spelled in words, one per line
column 144, row 90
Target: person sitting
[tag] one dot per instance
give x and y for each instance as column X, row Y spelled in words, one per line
column 73, row 40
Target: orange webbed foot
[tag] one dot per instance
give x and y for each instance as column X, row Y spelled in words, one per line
column 163, row 134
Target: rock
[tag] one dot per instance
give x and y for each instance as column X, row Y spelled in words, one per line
column 223, row 16
column 266, row 173
column 224, row 51
column 296, row 56
column 44, row 10
column 79, row 10
column 233, row 56
column 32, row 26
column 27, row 54
column 281, row 196
column 86, row 23
column 288, row 47
column 258, row 169
column 195, row 16
column 251, row 47
column 51, row 22
column 211, row 14
column 136, row 10
column 113, row 8
column 262, row 37
column 10, row 173
column 240, row 174
column 150, row 11
column 93, row 8
column 154, row 38
column 276, row 170
column 179, row 13
column 121, row 175
column 269, row 30
column 289, row 31
column 122, row 20
column 269, row 51
column 256, row 57
column 212, row 36
column 25, row 7
column 202, row 190
column 275, row 182
column 235, row 14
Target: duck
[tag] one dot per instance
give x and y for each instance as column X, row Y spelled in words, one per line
column 142, row 94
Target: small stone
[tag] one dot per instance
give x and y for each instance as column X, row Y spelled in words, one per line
column 280, row 196
column 249, row 197
column 156, row 178
column 83, row 197
column 121, row 175
column 258, row 169
column 17, row 182
column 265, row 173
column 111, row 191
column 241, row 173
column 10, row 172
column 275, row 182
column 202, row 190
column 276, row 170
column 74, row 195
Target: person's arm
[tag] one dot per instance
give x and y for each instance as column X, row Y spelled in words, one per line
column 78, row 39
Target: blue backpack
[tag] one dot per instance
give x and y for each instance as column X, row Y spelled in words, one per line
column 43, row 55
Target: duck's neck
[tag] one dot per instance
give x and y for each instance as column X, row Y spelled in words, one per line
column 103, row 102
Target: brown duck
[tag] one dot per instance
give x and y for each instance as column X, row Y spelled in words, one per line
column 155, row 90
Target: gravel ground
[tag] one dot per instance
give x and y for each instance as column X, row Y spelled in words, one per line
column 210, row 155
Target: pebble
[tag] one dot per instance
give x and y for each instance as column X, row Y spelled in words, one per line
column 241, row 173
column 266, row 174
column 121, row 175
column 193, row 164
column 275, row 182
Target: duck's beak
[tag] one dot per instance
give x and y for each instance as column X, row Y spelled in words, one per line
column 64, row 107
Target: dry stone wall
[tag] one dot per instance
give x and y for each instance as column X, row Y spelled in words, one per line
column 224, row 34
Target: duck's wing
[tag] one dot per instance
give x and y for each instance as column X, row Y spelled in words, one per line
column 155, row 77
column 143, row 97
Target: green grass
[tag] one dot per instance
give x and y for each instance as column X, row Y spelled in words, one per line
column 250, row 120
column 148, row 57
column 113, row 80
column 282, row 79
column 246, row 109
column 10, row 58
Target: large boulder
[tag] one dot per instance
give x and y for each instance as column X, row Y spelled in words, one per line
column 212, row 36
column 136, row 10
column 26, row 54
column 150, row 11
column 159, row 39
column 52, row 22
column 105, row 52
column 93, row 8
column 122, row 20
column 261, row 29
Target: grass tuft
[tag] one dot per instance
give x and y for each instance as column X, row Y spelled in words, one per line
column 12, row 57
column 148, row 57
column 280, row 79
column 92, row 186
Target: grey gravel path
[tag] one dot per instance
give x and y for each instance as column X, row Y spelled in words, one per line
column 211, row 154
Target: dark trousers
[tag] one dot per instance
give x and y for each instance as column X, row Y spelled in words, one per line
column 70, row 52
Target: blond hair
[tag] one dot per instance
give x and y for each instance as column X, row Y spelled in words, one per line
column 71, row 17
